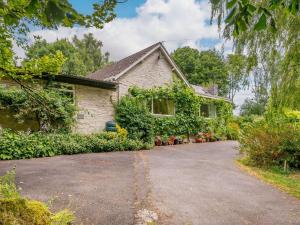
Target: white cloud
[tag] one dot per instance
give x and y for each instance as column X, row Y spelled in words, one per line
column 176, row 22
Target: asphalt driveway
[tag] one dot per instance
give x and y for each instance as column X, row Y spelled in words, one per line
column 195, row 184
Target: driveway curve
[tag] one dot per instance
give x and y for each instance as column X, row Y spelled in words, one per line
column 196, row 184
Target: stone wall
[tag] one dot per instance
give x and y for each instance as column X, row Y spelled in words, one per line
column 155, row 70
column 95, row 108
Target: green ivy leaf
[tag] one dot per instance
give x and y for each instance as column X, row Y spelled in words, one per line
column 251, row 8
column 230, row 4
column 262, row 23
column 242, row 25
column 231, row 15
column 294, row 7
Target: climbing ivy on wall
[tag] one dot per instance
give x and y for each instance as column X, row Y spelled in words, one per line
column 186, row 120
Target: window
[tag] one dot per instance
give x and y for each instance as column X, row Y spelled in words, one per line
column 204, row 111
column 162, row 107
column 208, row 110
column 65, row 89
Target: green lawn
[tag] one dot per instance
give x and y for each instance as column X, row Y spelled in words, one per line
column 286, row 181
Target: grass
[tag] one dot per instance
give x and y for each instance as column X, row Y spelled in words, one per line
column 285, row 181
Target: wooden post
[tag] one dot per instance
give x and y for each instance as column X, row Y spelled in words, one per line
column 285, row 166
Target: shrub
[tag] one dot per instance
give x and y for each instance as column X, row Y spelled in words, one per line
column 134, row 116
column 17, row 210
column 21, row 145
column 233, row 131
column 267, row 143
column 122, row 132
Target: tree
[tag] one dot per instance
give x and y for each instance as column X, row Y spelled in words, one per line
column 261, row 84
column 187, row 59
column 269, row 32
column 17, row 16
column 90, row 50
column 237, row 74
column 202, row 68
column 82, row 56
column 247, row 16
column 251, row 107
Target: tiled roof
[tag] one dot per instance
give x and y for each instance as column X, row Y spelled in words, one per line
column 123, row 64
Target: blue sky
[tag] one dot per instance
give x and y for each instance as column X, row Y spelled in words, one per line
column 124, row 10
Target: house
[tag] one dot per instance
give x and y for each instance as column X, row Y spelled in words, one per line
column 96, row 94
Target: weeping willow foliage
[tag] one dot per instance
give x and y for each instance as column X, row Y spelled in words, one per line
column 270, row 35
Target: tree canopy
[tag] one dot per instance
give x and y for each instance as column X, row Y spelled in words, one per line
column 202, row 68
column 16, row 16
column 269, row 31
column 82, row 56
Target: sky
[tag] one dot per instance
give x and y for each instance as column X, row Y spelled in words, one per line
column 141, row 23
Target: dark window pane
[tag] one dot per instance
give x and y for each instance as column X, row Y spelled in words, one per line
column 204, row 110
column 163, row 106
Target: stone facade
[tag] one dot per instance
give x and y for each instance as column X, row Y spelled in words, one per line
column 154, row 71
column 95, row 108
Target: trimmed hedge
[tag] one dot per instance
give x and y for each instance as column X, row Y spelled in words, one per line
column 22, row 145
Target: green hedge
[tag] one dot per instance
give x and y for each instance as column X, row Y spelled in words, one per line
column 21, row 145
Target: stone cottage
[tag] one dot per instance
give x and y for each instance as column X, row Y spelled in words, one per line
column 96, row 94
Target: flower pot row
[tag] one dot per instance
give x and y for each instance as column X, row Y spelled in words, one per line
column 168, row 140
column 202, row 137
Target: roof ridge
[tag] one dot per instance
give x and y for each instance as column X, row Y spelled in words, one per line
column 121, row 65
column 149, row 47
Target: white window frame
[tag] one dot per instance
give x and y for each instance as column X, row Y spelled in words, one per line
column 162, row 115
column 210, row 116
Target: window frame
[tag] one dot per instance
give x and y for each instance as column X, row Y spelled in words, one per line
column 162, row 115
column 62, row 89
column 209, row 105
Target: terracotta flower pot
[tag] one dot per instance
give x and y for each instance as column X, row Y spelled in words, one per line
column 198, row 140
column 158, row 141
column 171, row 140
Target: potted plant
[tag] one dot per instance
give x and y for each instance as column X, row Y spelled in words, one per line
column 213, row 137
column 158, row 141
column 178, row 140
column 208, row 136
column 185, row 139
column 200, row 138
column 164, row 139
column 171, row 140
